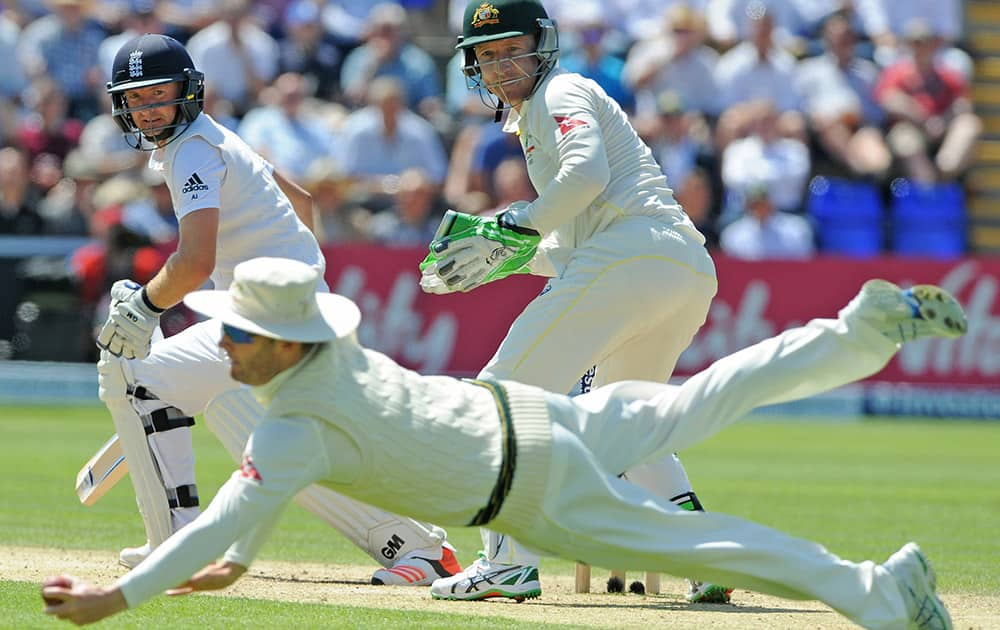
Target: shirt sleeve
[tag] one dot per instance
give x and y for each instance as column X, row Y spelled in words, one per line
column 568, row 120
column 196, row 177
column 282, row 457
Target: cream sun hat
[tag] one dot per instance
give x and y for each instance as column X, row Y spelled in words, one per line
column 276, row 298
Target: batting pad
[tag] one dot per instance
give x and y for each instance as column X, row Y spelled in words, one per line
column 149, row 491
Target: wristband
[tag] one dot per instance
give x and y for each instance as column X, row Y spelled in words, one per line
column 149, row 304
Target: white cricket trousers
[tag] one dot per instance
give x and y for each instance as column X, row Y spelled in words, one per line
column 629, row 301
column 589, row 514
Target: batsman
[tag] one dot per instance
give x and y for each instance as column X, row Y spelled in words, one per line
column 231, row 205
column 630, row 278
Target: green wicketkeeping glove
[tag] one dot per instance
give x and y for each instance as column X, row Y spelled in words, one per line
column 469, row 250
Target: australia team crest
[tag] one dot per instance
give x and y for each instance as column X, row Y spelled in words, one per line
column 485, row 14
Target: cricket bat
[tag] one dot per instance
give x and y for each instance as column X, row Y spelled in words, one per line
column 102, row 472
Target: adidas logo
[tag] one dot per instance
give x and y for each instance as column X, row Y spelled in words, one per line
column 192, row 184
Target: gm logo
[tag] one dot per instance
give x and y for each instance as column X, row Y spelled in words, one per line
column 392, row 546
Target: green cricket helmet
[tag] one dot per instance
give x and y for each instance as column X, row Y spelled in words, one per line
column 490, row 21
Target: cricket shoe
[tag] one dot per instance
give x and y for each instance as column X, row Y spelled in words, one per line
column 483, row 579
column 906, row 314
column 416, row 569
column 705, row 593
column 130, row 557
column 917, row 583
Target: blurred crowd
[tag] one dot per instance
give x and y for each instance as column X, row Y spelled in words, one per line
column 743, row 102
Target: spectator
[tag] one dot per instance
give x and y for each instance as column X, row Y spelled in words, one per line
column 310, row 50
column 676, row 59
column 387, row 52
column 346, row 20
column 758, row 69
column 104, row 147
column 493, row 146
column 412, row 220
column 641, row 19
column 591, row 56
column 812, row 15
column 182, row 18
column 462, row 103
column 223, row 111
column 98, row 264
column 285, row 129
column 764, row 233
column 838, row 95
column 152, row 215
column 238, row 58
column 12, row 78
column 19, row 198
column 934, row 129
column 341, row 220
column 48, row 129
column 732, row 21
column 511, row 183
column 695, row 194
column 886, row 21
column 63, row 46
column 764, row 158
column 386, row 138
column 678, row 138
column 68, row 189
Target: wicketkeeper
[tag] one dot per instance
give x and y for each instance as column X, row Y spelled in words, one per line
column 536, row 465
column 631, row 280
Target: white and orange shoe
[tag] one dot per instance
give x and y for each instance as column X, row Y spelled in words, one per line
column 418, row 569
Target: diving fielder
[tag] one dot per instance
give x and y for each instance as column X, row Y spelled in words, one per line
column 231, row 205
column 541, row 466
column 631, row 278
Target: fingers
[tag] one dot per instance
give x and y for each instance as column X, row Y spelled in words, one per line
column 432, row 283
column 183, row 589
column 123, row 289
column 127, row 320
column 122, row 346
column 55, row 596
column 57, row 593
column 460, row 269
column 451, row 245
column 473, row 281
column 107, row 331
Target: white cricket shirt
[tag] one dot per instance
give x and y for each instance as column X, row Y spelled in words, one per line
column 211, row 167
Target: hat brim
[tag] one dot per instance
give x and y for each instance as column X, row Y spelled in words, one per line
column 135, row 85
column 482, row 39
column 338, row 317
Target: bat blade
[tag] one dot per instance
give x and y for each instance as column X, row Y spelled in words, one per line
column 101, row 472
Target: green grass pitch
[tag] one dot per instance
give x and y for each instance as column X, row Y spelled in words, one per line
column 861, row 489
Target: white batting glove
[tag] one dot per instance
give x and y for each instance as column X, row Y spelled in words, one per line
column 111, row 385
column 131, row 322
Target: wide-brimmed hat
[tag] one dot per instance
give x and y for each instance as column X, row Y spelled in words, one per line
column 276, row 298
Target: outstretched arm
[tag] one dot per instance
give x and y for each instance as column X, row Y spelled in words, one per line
column 282, row 457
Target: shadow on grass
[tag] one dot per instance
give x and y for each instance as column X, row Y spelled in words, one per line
column 666, row 603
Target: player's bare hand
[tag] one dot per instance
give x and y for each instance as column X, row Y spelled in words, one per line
column 215, row 576
column 72, row 599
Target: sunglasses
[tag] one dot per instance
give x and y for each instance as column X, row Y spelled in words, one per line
column 237, row 335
